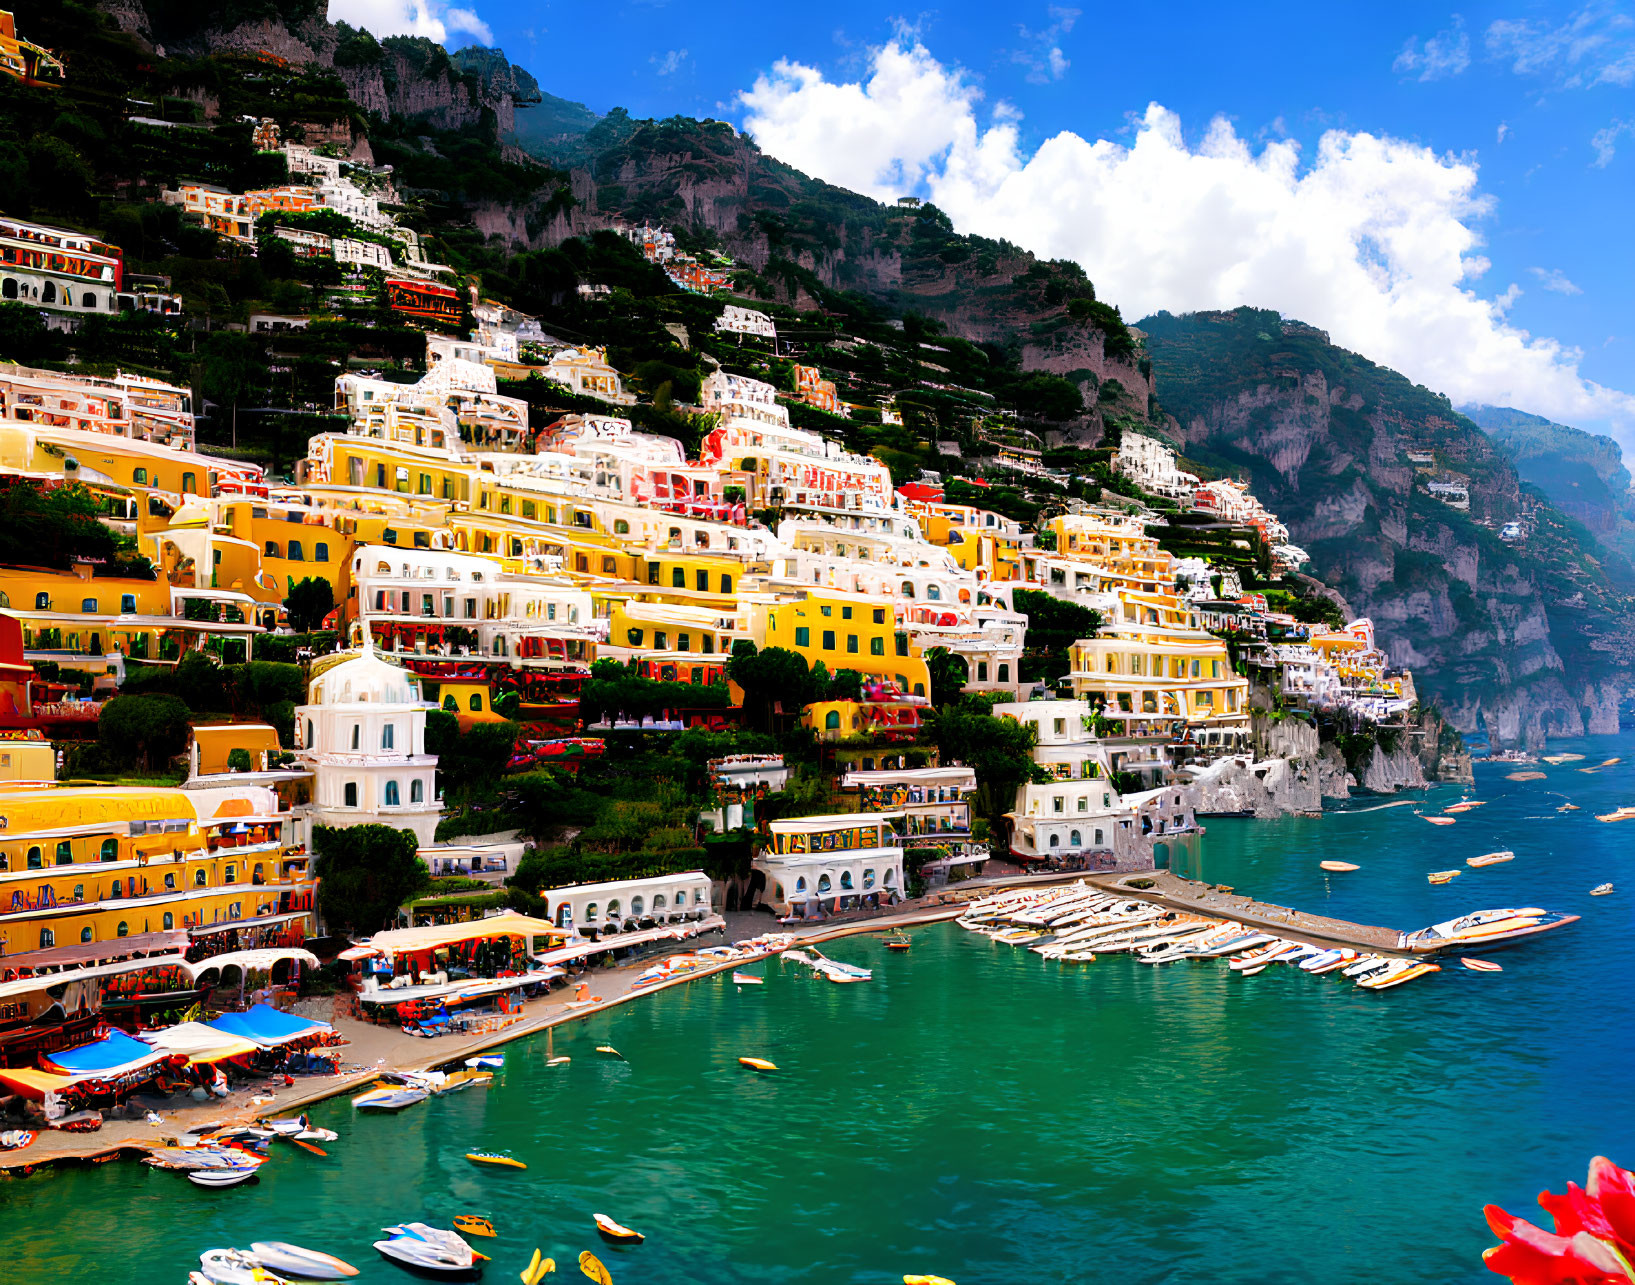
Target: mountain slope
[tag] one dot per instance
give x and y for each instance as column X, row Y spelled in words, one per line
column 1518, row 639
column 1582, row 473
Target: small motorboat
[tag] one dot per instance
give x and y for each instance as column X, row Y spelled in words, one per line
column 1491, row 858
column 1601, row 890
column 16, row 1139
column 287, row 1128
column 747, row 979
column 294, row 1260
column 230, row 1176
column 756, row 1064
column 617, row 1233
column 317, row 1135
column 609, row 1051
column 457, row 1080
column 1443, row 876
column 1625, row 813
column 498, row 1159
column 1337, row 865
column 473, row 1225
column 386, row 1098
column 898, row 943
column 428, row 1249
column 1569, row 807
column 1441, row 820
column 235, row 1267
column 1482, row 966
column 485, row 1062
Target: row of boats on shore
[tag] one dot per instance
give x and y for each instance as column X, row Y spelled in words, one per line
column 1078, row 923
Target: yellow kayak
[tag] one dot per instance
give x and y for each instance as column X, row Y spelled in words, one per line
column 592, row 1267
column 756, row 1064
column 496, row 1158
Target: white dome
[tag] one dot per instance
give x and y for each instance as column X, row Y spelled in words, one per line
column 363, row 677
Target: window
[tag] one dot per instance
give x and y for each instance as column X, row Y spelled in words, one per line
column 198, row 878
column 684, row 642
column 528, row 510
column 879, row 615
column 139, row 477
column 351, row 794
column 79, row 892
column 170, row 881
column 36, row 859
column 392, row 799
column 49, row 938
column 678, row 578
column 703, row 579
column 828, row 640
column 933, row 593
column 902, row 644
column 320, row 552
column 124, row 929
column 476, row 702
column 127, row 603
column 357, row 733
column 230, row 873
column 803, row 636
column 190, row 483
column 1056, row 805
column 272, row 550
column 85, row 933
column 845, row 613
column 621, row 527
column 726, row 584
column 877, row 646
column 908, row 588
column 831, row 721
column 417, row 791
column 42, row 602
column 388, row 735
column 1004, row 671
column 450, row 704
column 1084, row 803
column 1074, row 840
column 88, row 606
column 982, row 671
column 297, row 554
column 110, row 849
column 851, row 642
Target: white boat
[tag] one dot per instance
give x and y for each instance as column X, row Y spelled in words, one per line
column 746, row 979
column 317, row 1135
column 235, row 1267
column 293, row 1260
column 389, row 1099
column 1366, row 966
column 428, row 1249
column 1329, row 960
column 1234, row 945
column 230, row 1176
column 485, row 1062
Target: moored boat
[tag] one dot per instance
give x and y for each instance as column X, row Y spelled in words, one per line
column 1443, row 876
column 388, row 1098
column 486, row 1062
column 496, row 1159
column 235, row 1267
column 1622, row 814
column 1601, row 890
column 1441, row 820
column 617, row 1233
column 1482, row 966
column 747, row 979
column 229, row 1176
column 1338, row 866
column 295, row 1260
column 1491, row 858
column 1396, row 976
column 898, row 943
column 428, row 1249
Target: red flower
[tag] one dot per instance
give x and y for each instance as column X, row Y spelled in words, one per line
column 1593, row 1241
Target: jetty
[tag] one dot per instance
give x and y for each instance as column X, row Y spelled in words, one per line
column 1176, row 893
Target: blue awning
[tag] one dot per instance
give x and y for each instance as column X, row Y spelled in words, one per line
column 267, row 1026
column 114, row 1054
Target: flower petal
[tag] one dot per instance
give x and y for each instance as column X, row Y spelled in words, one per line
column 1614, row 1190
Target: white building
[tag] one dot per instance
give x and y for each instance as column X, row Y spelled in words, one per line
column 1150, row 464
column 737, row 783
column 53, row 268
column 746, row 321
column 363, row 735
column 629, row 904
column 821, row 865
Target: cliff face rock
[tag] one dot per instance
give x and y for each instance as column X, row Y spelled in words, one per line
column 1345, row 453
column 1386, row 773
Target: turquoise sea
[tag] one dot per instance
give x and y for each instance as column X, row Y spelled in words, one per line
column 982, row 1114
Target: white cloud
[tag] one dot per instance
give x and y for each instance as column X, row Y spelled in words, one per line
column 1372, row 238
column 1605, row 141
column 1447, row 53
column 671, row 63
column 1594, row 46
column 1503, row 132
column 434, row 19
column 1555, row 281
column 1043, row 56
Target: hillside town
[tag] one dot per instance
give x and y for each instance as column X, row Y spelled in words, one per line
column 485, row 585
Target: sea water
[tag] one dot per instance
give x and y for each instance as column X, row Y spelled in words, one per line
column 989, row 1116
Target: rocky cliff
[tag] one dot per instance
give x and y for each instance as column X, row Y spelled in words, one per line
column 1401, row 501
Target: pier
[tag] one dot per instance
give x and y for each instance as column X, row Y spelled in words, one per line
column 1190, row 895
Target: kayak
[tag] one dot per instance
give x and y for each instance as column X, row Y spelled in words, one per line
column 617, row 1233
column 294, row 1260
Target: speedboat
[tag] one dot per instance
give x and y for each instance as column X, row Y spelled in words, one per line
column 293, row 1260
column 1601, row 890
column 1327, row 960
column 428, row 1249
column 617, row 1233
column 756, row 1064
column 1257, row 958
column 1481, row 965
column 227, row 1176
column 317, row 1135
column 1366, row 965
column 486, row 1062
column 498, row 1159
column 1489, row 928
column 747, row 979
column 1491, row 858
column 389, row 1099
column 235, row 1267
column 1443, row 876
column 1404, row 970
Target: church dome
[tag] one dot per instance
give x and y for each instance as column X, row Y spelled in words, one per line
column 361, row 676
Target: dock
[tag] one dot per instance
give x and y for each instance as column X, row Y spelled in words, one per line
column 1190, row 895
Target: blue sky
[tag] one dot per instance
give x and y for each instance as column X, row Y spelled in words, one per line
column 1513, row 124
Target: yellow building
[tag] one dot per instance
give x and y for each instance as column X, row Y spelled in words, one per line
column 80, row 865
column 844, row 631
column 1153, row 666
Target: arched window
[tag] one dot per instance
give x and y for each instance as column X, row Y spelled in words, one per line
column 79, row 892
column 450, row 704
column 272, row 550
column 169, row 921
column 392, row 799
column 351, row 794
column 831, row 721
column 590, row 913
column 800, row 885
column 908, row 588
column 48, row 292
column 476, row 702
column 49, row 938
column 85, row 933
column 1004, row 671
column 417, row 791
column 42, row 602
column 199, row 878
column 825, row 884
column 110, row 849
column 8, row 290
column 320, row 552
column 890, row 877
column 681, row 898
column 636, row 904
column 124, row 929
column 36, row 859
column 297, row 553
column 613, row 910
column 170, row 879
column 388, row 736
column 845, row 878
column 1074, row 840
column 868, row 878
column 933, row 592
column 1055, row 840
column 65, row 853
